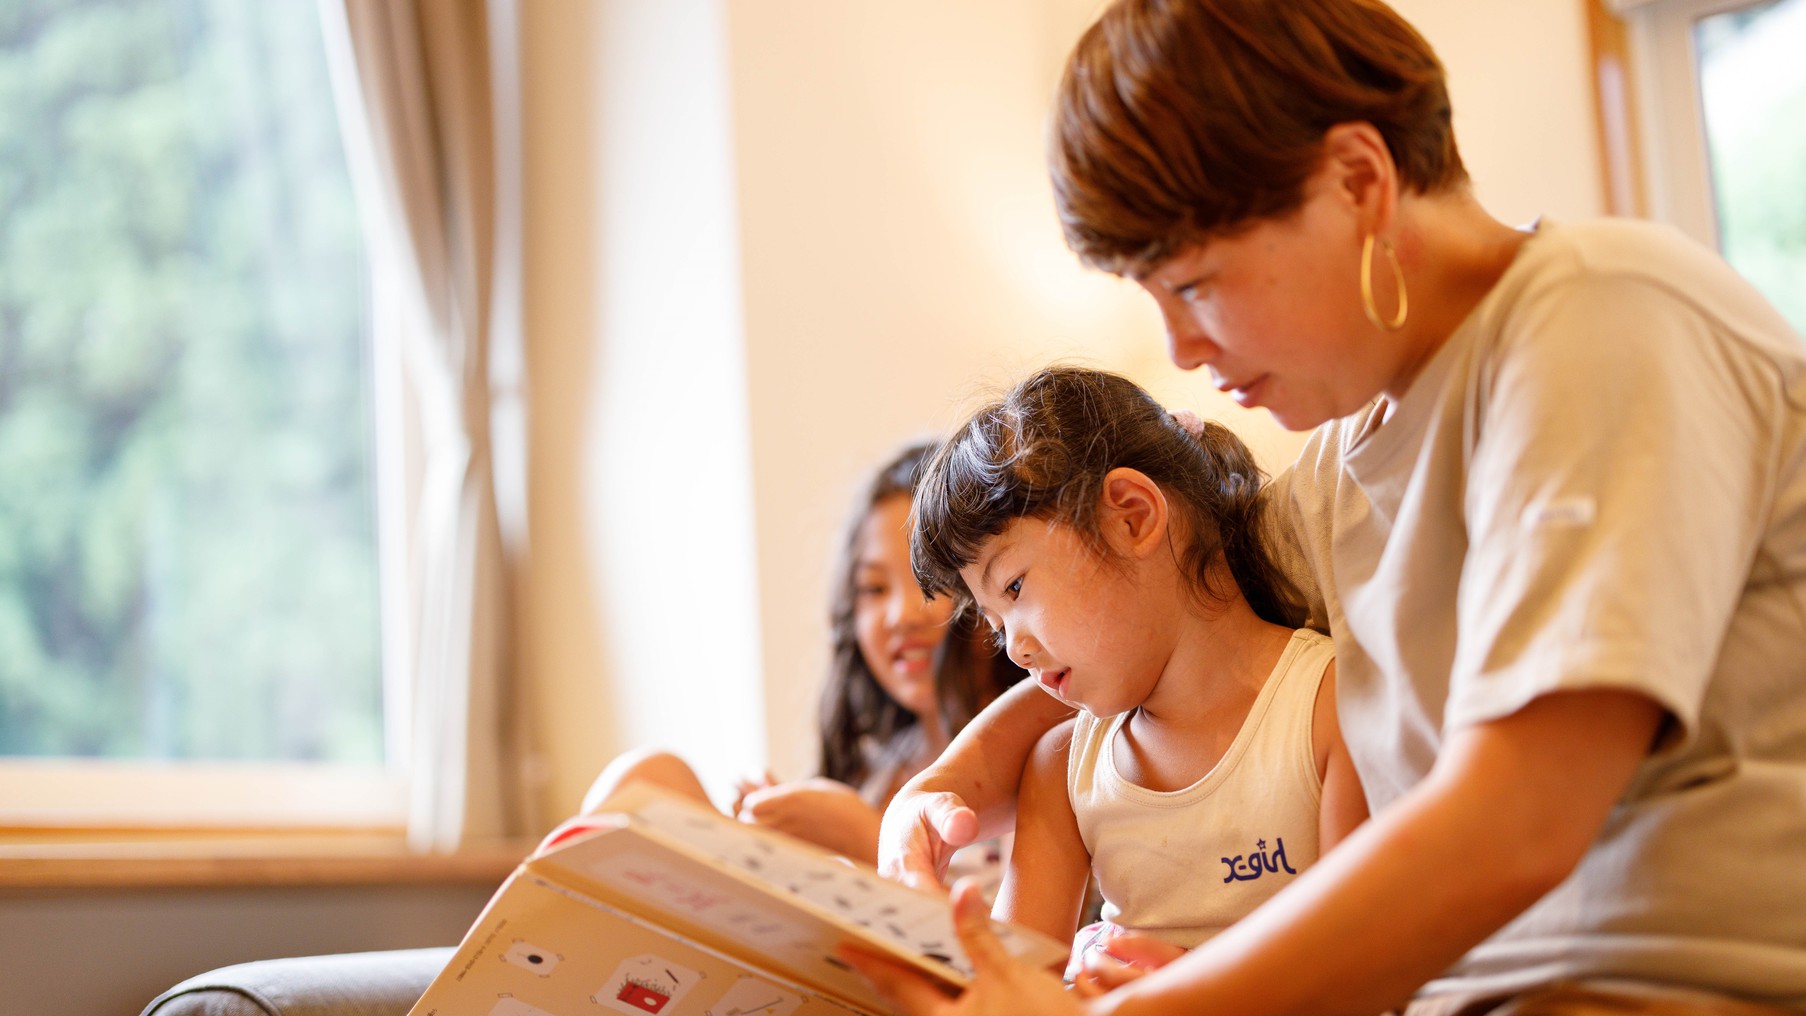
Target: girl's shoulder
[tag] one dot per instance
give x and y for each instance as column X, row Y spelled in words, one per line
column 1312, row 641
column 1309, row 652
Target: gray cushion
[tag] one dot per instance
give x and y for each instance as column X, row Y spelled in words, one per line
column 348, row 984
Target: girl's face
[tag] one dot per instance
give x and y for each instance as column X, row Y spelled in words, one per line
column 1090, row 631
column 1275, row 312
column 899, row 630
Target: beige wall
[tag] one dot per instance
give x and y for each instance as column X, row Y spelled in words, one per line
column 768, row 240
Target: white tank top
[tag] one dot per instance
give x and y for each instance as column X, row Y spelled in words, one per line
column 1184, row 865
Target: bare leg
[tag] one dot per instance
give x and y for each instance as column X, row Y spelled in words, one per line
column 644, row 765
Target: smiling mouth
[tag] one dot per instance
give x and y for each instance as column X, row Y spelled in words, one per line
column 912, row 659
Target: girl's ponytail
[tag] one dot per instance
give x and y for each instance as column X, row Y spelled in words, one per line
column 1238, row 526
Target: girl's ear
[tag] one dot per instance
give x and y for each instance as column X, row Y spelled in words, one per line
column 1132, row 512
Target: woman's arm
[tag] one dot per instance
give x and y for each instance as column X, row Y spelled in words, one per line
column 1344, row 804
column 1044, row 882
column 1509, row 810
column 967, row 794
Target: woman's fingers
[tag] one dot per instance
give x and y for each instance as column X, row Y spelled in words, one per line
column 1125, row 957
column 1143, row 951
column 1102, row 972
column 972, row 922
column 1002, row 985
column 912, row 993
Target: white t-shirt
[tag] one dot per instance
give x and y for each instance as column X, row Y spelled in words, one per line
column 1598, row 482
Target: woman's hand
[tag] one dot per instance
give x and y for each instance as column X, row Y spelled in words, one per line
column 919, row 834
column 824, row 812
column 1005, row 986
column 1124, row 957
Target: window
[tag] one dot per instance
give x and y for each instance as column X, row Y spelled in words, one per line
column 1723, row 95
column 188, row 582
column 1753, row 99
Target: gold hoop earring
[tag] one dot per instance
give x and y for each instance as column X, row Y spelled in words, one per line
column 1367, row 302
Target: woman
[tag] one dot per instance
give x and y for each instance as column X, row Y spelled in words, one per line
column 1555, row 520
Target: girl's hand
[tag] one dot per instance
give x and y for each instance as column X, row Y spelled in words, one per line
column 824, row 812
column 1005, row 986
column 1126, row 957
column 744, row 787
column 920, row 832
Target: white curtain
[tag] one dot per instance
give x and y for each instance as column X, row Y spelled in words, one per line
column 417, row 101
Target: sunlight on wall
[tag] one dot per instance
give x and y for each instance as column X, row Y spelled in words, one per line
column 640, row 612
column 829, row 232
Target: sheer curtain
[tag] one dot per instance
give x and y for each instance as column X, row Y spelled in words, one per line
column 417, row 99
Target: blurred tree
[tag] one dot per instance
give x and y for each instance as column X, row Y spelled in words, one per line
column 187, row 524
column 1754, row 93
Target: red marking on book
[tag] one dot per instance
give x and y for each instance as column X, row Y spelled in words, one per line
column 641, row 997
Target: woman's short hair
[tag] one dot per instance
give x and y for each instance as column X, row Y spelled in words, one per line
column 1178, row 120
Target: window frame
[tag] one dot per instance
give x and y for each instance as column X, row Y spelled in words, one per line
column 43, row 796
column 1674, row 162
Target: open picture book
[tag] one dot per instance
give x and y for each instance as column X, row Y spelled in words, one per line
column 662, row 905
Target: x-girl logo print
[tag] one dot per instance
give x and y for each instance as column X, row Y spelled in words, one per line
column 1262, row 861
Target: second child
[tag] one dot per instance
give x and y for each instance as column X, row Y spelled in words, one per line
column 904, row 677
column 1115, row 553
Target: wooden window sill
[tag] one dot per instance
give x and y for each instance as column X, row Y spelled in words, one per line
column 276, row 861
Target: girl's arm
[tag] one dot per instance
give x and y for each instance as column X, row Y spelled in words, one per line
column 1044, row 882
column 967, row 794
column 824, row 812
column 1344, row 804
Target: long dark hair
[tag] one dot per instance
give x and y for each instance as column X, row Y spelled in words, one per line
column 856, row 711
column 1042, row 452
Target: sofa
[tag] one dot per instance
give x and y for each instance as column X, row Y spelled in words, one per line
column 350, row 984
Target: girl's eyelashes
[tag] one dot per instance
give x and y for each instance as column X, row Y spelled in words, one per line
column 1014, row 589
column 869, row 589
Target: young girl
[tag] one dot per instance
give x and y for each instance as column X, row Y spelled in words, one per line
column 904, row 677
column 1115, row 555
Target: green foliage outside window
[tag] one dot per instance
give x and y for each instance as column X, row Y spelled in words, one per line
column 187, row 531
column 1753, row 88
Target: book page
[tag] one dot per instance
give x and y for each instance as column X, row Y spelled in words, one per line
column 543, row 950
column 785, row 899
